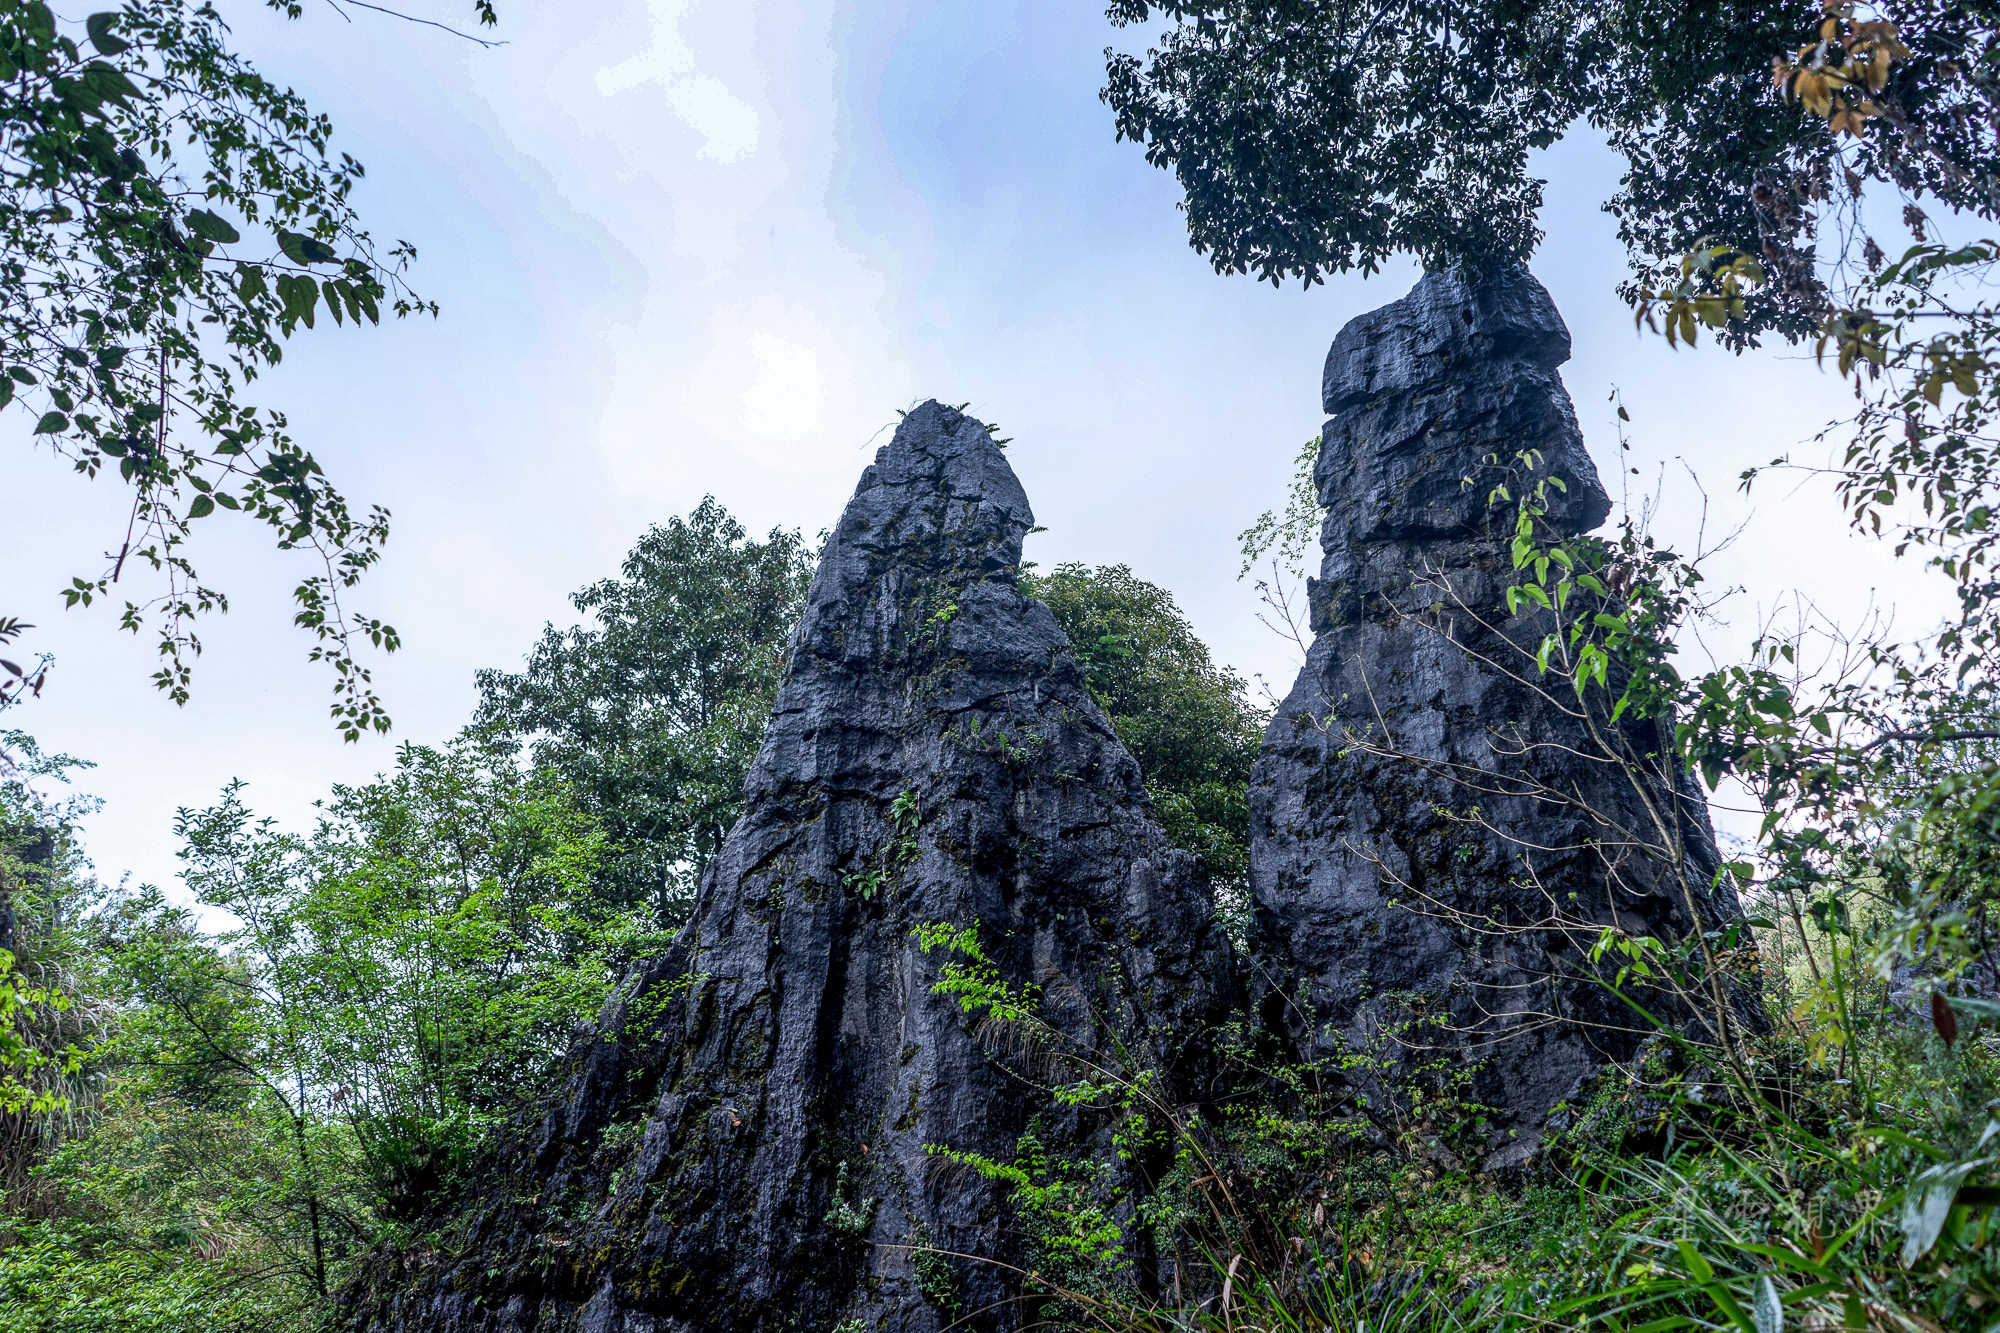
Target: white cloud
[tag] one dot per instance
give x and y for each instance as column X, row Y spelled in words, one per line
column 727, row 123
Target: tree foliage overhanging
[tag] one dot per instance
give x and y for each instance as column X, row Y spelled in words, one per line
column 170, row 219
column 1316, row 136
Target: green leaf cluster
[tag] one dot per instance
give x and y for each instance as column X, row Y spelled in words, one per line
column 1311, row 138
column 169, row 219
column 1187, row 720
column 653, row 714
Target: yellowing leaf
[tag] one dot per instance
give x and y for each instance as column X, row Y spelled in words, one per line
column 1878, row 68
column 1812, row 89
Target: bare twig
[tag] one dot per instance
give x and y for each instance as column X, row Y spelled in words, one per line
column 412, row 18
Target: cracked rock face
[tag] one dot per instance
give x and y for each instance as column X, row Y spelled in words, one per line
column 749, row 1143
column 1438, row 833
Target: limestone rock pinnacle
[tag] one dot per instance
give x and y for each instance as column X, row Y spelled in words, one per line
column 1436, row 835
column 751, row 1141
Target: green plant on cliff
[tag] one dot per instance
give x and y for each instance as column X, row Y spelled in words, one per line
column 653, row 716
column 1282, row 1165
column 1829, row 1160
column 1289, row 537
column 1812, row 1139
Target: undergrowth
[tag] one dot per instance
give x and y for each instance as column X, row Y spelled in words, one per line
column 1674, row 1196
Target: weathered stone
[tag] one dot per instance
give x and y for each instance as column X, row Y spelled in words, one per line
column 747, row 1145
column 1438, row 834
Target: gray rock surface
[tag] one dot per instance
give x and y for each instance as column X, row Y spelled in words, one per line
column 746, row 1145
column 1437, row 835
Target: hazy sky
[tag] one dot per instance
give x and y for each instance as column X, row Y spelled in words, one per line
column 689, row 247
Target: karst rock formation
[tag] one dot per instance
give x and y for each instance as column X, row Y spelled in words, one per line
column 1437, row 834
column 749, row 1144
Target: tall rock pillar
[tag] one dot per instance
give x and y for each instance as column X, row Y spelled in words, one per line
column 752, row 1142
column 1437, row 833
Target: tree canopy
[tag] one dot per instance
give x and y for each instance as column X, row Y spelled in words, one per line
column 1312, row 138
column 654, row 714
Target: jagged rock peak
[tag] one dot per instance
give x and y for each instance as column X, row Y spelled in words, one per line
column 1436, row 836
column 938, row 512
column 1435, row 397
column 1448, row 321
column 751, row 1142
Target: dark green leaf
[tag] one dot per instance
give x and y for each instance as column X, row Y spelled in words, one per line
column 51, row 423
column 202, row 507
column 212, row 228
column 302, row 249
column 99, row 27
column 300, row 294
column 109, row 84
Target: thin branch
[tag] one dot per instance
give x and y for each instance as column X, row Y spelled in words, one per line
column 1936, row 737
column 429, row 23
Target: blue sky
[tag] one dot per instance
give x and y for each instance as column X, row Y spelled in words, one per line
column 688, row 247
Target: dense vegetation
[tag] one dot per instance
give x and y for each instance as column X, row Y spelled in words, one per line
column 214, row 1108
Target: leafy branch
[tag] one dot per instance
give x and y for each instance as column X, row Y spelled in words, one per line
column 169, row 220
